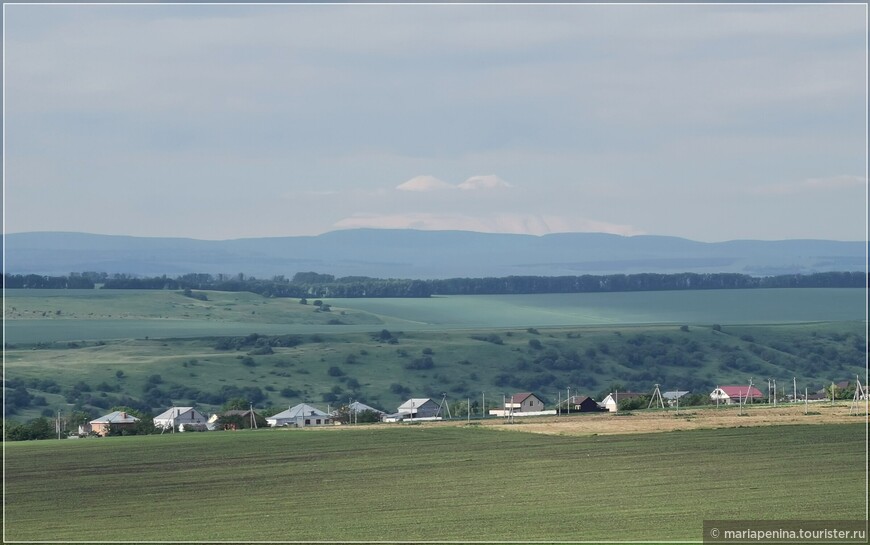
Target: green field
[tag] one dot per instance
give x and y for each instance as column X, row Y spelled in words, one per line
column 34, row 316
column 429, row 483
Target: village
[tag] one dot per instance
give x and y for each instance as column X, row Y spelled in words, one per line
column 519, row 405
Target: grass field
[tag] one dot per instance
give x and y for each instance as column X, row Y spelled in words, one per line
column 429, row 483
column 34, row 316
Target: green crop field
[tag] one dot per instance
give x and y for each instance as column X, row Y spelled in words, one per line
column 652, row 307
column 34, row 316
column 429, row 483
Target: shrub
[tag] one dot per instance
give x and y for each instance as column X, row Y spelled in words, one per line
column 420, row 363
column 335, row 372
column 289, row 392
column 264, row 350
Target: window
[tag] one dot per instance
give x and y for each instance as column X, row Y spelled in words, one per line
column 307, row 421
column 317, row 421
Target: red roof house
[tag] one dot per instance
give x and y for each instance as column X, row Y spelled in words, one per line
column 735, row 394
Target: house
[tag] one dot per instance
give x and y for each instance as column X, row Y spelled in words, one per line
column 613, row 399
column 735, row 394
column 117, row 420
column 300, row 416
column 356, row 408
column 235, row 420
column 821, row 395
column 181, row 418
column 355, row 411
column 525, row 402
column 583, row 404
column 419, row 407
column 671, row 397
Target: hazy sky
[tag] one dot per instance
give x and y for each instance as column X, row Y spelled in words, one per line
column 706, row 122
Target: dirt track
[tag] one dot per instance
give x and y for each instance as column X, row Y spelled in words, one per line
column 688, row 419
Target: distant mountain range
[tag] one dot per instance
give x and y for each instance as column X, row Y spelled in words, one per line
column 423, row 254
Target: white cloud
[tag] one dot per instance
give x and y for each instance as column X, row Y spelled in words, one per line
column 811, row 184
column 526, row 224
column 490, row 181
column 430, row 183
column 424, row 183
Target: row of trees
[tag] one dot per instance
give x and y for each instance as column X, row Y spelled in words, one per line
column 311, row 284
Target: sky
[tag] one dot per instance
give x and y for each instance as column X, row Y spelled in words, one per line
column 709, row 122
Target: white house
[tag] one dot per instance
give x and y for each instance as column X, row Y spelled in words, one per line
column 611, row 402
column 300, row 416
column 735, row 394
column 523, row 404
column 181, row 418
column 419, row 407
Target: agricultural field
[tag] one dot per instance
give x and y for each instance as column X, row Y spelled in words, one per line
column 429, row 482
column 34, row 316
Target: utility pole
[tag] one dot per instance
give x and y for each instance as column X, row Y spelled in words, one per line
column 253, row 419
column 569, row 401
column 657, row 395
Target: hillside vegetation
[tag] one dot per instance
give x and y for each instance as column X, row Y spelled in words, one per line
column 384, row 367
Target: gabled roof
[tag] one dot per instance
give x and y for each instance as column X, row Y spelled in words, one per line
column 577, row 400
column 741, row 391
column 674, row 394
column 414, row 403
column 297, row 411
column 117, row 417
column 519, row 398
column 357, row 407
column 174, row 412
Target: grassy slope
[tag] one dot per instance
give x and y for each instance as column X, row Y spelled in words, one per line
column 463, row 366
column 600, row 355
column 419, row 483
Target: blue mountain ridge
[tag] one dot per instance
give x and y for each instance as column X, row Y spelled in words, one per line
column 406, row 253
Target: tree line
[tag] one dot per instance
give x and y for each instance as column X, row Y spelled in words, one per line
column 311, row 284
